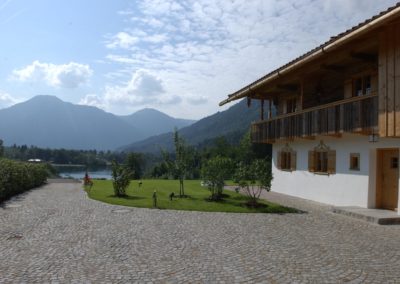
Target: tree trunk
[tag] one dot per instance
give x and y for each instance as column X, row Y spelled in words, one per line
column 180, row 188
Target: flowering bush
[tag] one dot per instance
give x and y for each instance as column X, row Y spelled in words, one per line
column 87, row 181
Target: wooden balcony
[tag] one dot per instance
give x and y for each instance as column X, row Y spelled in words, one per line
column 353, row 115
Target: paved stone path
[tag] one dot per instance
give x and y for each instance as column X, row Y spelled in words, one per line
column 56, row 234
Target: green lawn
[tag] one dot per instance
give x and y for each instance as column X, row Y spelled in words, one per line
column 142, row 197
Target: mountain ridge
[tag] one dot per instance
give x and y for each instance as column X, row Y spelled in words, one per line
column 47, row 121
column 152, row 120
column 232, row 123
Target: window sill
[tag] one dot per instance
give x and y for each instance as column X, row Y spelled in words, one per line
column 321, row 173
column 286, row 170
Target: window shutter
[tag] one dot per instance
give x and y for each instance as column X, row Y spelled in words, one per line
column 279, row 160
column 293, row 156
column 331, row 161
column 311, row 161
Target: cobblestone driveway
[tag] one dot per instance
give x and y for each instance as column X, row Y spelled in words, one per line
column 56, row 234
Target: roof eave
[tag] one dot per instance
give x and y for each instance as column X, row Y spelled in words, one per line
column 327, row 47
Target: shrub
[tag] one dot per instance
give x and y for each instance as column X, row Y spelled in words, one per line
column 17, row 177
column 121, row 179
column 214, row 173
column 254, row 178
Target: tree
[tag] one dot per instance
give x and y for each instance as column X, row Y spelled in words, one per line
column 121, row 179
column 1, row 148
column 134, row 162
column 160, row 170
column 248, row 151
column 179, row 167
column 214, row 173
column 254, row 178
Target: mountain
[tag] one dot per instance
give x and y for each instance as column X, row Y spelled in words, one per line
column 153, row 122
column 46, row 121
column 231, row 123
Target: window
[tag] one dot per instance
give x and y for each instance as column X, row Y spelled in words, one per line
column 362, row 86
column 322, row 160
column 291, row 105
column 354, row 161
column 367, row 85
column 358, row 87
column 286, row 159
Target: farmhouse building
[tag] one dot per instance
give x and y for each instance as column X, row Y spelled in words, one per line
column 333, row 117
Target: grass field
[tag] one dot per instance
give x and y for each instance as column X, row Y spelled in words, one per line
column 102, row 190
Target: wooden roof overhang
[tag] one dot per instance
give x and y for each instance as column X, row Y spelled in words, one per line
column 288, row 78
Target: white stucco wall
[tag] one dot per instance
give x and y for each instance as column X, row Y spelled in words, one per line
column 346, row 187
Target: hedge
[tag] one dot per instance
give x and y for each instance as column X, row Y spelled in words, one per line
column 17, row 177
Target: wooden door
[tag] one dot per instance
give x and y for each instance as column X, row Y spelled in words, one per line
column 388, row 179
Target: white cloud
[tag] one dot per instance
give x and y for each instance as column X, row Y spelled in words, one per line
column 216, row 47
column 122, row 40
column 197, row 100
column 143, row 88
column 169, row 100
column 70, row 75
column 157, row 38
column 6, row 100
column 93, row 100
column 134, row 38
column 144, row 84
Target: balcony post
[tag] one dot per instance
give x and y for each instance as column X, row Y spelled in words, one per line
column 301, row 94
column 262, row 109
column 270, row 108
column 352, row 115
column 342, row 118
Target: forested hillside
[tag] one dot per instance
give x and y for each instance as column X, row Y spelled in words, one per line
column 232, row 123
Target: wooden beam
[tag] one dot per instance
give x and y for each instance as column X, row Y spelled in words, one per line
column 390, row 81
column 262, row 95
column 382, row 106
column 368, row 57
column 248, row 102
column 333, row 67
column 335, row 135
column 366, row 132
column 397, row 82
column 307, row 137
column 301, row 102
column 286, row 139
column 262, row 110
column 270, row 108
column 288, row 87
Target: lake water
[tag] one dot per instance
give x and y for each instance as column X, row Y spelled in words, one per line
column 98, row 174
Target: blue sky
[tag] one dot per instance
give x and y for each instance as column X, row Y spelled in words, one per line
column 181, row 57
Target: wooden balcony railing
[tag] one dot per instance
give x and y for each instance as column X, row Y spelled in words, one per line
column 353, row 115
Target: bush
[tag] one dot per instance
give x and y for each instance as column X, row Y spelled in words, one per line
column 254, row 178
column 121, row 179
column 17, row 177
column 214, row 173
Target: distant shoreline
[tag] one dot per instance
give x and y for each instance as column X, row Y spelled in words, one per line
column 68, row 165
